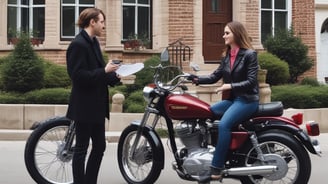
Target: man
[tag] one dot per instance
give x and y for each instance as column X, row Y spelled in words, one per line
column 89, row 100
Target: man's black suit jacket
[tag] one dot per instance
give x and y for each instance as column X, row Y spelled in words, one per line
column 89, row 99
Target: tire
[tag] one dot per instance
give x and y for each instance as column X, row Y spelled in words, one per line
column 144, row 168
column 42, row 152
column 296, row 163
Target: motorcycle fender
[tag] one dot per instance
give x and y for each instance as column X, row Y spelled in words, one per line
column 301, row 136
column 54, row 119
column 149, row 132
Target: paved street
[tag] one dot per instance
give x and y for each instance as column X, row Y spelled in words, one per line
column 13, row 169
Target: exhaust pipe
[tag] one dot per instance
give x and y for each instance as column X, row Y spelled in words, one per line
column 253, row 170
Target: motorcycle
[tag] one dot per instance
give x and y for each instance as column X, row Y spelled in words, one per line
column 267, row 148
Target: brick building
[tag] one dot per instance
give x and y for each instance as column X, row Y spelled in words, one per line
column 199, row 24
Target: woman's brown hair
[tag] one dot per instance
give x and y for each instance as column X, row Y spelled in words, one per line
column 241, row 36
column 87, row 14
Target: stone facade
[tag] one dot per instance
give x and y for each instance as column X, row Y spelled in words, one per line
column 172, row 20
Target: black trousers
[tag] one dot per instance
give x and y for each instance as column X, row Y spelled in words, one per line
column 84, row 132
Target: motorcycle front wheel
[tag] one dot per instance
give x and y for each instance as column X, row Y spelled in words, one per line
column 281, row 149
column 44, row 157
column 139, row 167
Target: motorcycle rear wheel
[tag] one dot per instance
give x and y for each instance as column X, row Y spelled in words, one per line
column 43, row 157
column 142, row 169
column 283, row 144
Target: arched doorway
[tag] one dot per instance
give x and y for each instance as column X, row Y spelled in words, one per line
column 323, row 58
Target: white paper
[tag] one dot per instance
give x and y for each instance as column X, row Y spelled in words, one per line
column 129, row 69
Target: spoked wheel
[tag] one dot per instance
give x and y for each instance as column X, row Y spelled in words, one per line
column 282, row 150
column 46, row 158
column 141, row 166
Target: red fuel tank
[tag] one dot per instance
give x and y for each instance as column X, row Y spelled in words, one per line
column 185, row 106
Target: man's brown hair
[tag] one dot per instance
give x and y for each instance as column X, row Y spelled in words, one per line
column 88, row 14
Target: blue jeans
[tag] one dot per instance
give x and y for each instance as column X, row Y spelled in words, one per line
column 234, row 112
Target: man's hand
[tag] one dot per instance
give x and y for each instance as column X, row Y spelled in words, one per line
column 111, row 67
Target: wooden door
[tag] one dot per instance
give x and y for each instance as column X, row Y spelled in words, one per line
column 216, row 14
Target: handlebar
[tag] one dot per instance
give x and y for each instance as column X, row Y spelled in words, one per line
column 173, row 83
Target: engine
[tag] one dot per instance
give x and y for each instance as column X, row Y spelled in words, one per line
column 196, row 158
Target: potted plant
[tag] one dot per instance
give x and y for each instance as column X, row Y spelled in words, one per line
column 13, row 36
column 137, row 42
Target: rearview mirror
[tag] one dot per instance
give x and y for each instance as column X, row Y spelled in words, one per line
column 165, row 55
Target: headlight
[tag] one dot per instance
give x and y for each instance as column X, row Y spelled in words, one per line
column 147, row 91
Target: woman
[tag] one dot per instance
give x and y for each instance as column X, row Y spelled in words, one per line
column 238, row 70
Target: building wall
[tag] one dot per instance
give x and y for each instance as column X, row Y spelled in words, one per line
column 303, row 20
column 172, row 20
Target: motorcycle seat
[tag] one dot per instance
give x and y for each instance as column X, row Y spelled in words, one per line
column 270, row 109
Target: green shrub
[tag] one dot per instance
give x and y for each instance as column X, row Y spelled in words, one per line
column 48, row 96
column 290, row 48
column 145, row 76
column 310, row 81
column 301, row 96
column 55, row 76
column 278, row 72
column 118, row 89
column 23, row 71
column 11, row 98
column 135, row 102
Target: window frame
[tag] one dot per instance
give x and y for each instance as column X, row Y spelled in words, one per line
column 77, row 7
column 30, row 7
column 273, row 10
column 136, row 6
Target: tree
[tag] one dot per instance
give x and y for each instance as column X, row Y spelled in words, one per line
column 23, row 71
column 290, row 48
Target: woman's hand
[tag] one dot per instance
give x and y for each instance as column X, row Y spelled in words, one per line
column 224, row 87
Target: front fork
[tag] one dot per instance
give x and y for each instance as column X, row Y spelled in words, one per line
column 65, row 150
column 141, row 125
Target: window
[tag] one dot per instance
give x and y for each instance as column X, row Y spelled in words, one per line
column 275, row 15
column 136, row 19
column 70, row 11
column 26, row 16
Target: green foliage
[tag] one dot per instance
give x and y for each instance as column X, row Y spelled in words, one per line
column 290, row 48
column 48, row 96
column 301, row 96
column 310, row 81
column 11, row 98
column 55, row 76
column 278, row 72
column 163, row 133
column 23, row 71
column 118, row 89
column 145, row 76
column 135, row 102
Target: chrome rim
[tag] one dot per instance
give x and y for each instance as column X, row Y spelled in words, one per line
column 283, row 156
column 51, row 160
column 138, row 166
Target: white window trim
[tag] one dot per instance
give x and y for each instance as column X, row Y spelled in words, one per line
column 19, row 7
column 288, row 10
column 136, row 5
column 76, row 6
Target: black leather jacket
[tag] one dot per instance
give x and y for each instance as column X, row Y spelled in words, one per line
column 243, row 77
